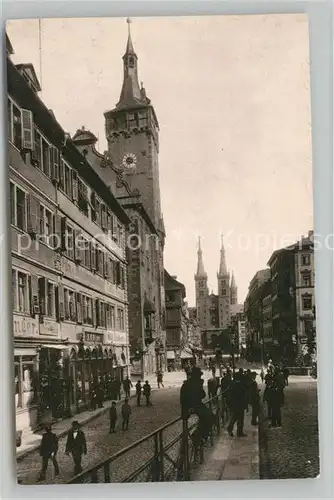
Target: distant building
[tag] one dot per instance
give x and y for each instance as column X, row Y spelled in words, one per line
column 280, row 305
column 293, row 297
column 176, row 321
column 253, row 313
column 214, row 311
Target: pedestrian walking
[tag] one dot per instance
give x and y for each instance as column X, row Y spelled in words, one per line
column 262, row 375
column 254, row 400
column 99, row 393
column 112, row 417
column 147, row 393
column 94, row 398
column 118, row 386
column 225, row 388
column 268, row 396
column 160, row 379
column 126, row 412
column 276, row 416
column 48, row 451
column 212, row 387
column 127, row 384
column 286, row 374
column 138, row 392
column 238, row 404
column 76, row 446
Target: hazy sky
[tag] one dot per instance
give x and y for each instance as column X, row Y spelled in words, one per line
column 232, row 96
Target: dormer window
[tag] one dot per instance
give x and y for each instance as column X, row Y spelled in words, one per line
column 29, row 74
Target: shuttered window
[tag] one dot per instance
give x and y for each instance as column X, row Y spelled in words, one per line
column 18, row 202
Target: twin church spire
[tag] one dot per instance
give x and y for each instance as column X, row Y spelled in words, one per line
column 223, row 272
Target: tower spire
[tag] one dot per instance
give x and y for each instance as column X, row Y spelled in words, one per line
column 131, row 94
column 233, row 283
column 129, row 45
column 200, row 265
column 222, row 267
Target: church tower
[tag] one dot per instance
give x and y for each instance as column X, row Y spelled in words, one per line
column 132, row 132
column 224, row 295
column 201, row 288
column 233, row 291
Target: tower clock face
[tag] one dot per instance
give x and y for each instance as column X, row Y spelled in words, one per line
column 129, row 161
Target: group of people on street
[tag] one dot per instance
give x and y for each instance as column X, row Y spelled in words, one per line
column 239, row 392
column 75, row 446
column 143, row 390
column 109, row 388
column 76, row 441
column 276, row 380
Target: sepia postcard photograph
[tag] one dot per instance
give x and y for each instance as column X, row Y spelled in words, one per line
column 162, row 249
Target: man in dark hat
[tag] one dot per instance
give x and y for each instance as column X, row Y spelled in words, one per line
column 76, row 445
column 48, row 450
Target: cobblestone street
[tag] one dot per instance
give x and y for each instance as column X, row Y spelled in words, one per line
column 101, row 444
column 292, row 451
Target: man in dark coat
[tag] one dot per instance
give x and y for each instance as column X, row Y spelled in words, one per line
column 76, row 445
column 212, row 387
column 239, row 393
column 191, row 397
column 127, row 384
column 147, row 393
column 254, row 399
column 118, row 386
column 126, row 412
column 160, row 379
column 112, row 417
column 48, row 450
column 138, row 392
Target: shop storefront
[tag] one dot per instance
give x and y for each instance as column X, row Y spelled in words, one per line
column 26, row 388
column 53, row 400
column 186, row 357
column 171, row 361
column 92, row 367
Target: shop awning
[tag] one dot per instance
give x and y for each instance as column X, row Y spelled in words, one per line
column 170, row 355
column 185, row 355
column 148, row 306
column 21, row 351
column 60, row 347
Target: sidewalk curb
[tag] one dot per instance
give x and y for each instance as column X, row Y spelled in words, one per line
column 20, row 455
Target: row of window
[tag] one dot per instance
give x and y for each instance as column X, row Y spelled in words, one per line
column 28, row 214
column 38, row 295
column 24, row 135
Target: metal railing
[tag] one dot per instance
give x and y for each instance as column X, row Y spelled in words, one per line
column 170, row 453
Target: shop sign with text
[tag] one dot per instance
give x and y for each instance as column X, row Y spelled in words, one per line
column 117, row 338
column 25, row 327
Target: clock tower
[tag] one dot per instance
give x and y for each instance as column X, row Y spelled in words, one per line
column 132, row 132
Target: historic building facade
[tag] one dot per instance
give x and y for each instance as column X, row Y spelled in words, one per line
column 69, row 283
column 131, row 168
column 257, row 290
column 214, row 310
column 280, row 305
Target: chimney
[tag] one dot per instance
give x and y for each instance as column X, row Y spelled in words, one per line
column 174, row 277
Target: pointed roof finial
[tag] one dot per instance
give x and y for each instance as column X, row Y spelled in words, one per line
column 129, row 46
column 222, row 267
column 200, row 265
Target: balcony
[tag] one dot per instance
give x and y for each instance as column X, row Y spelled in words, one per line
column 150, row 335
